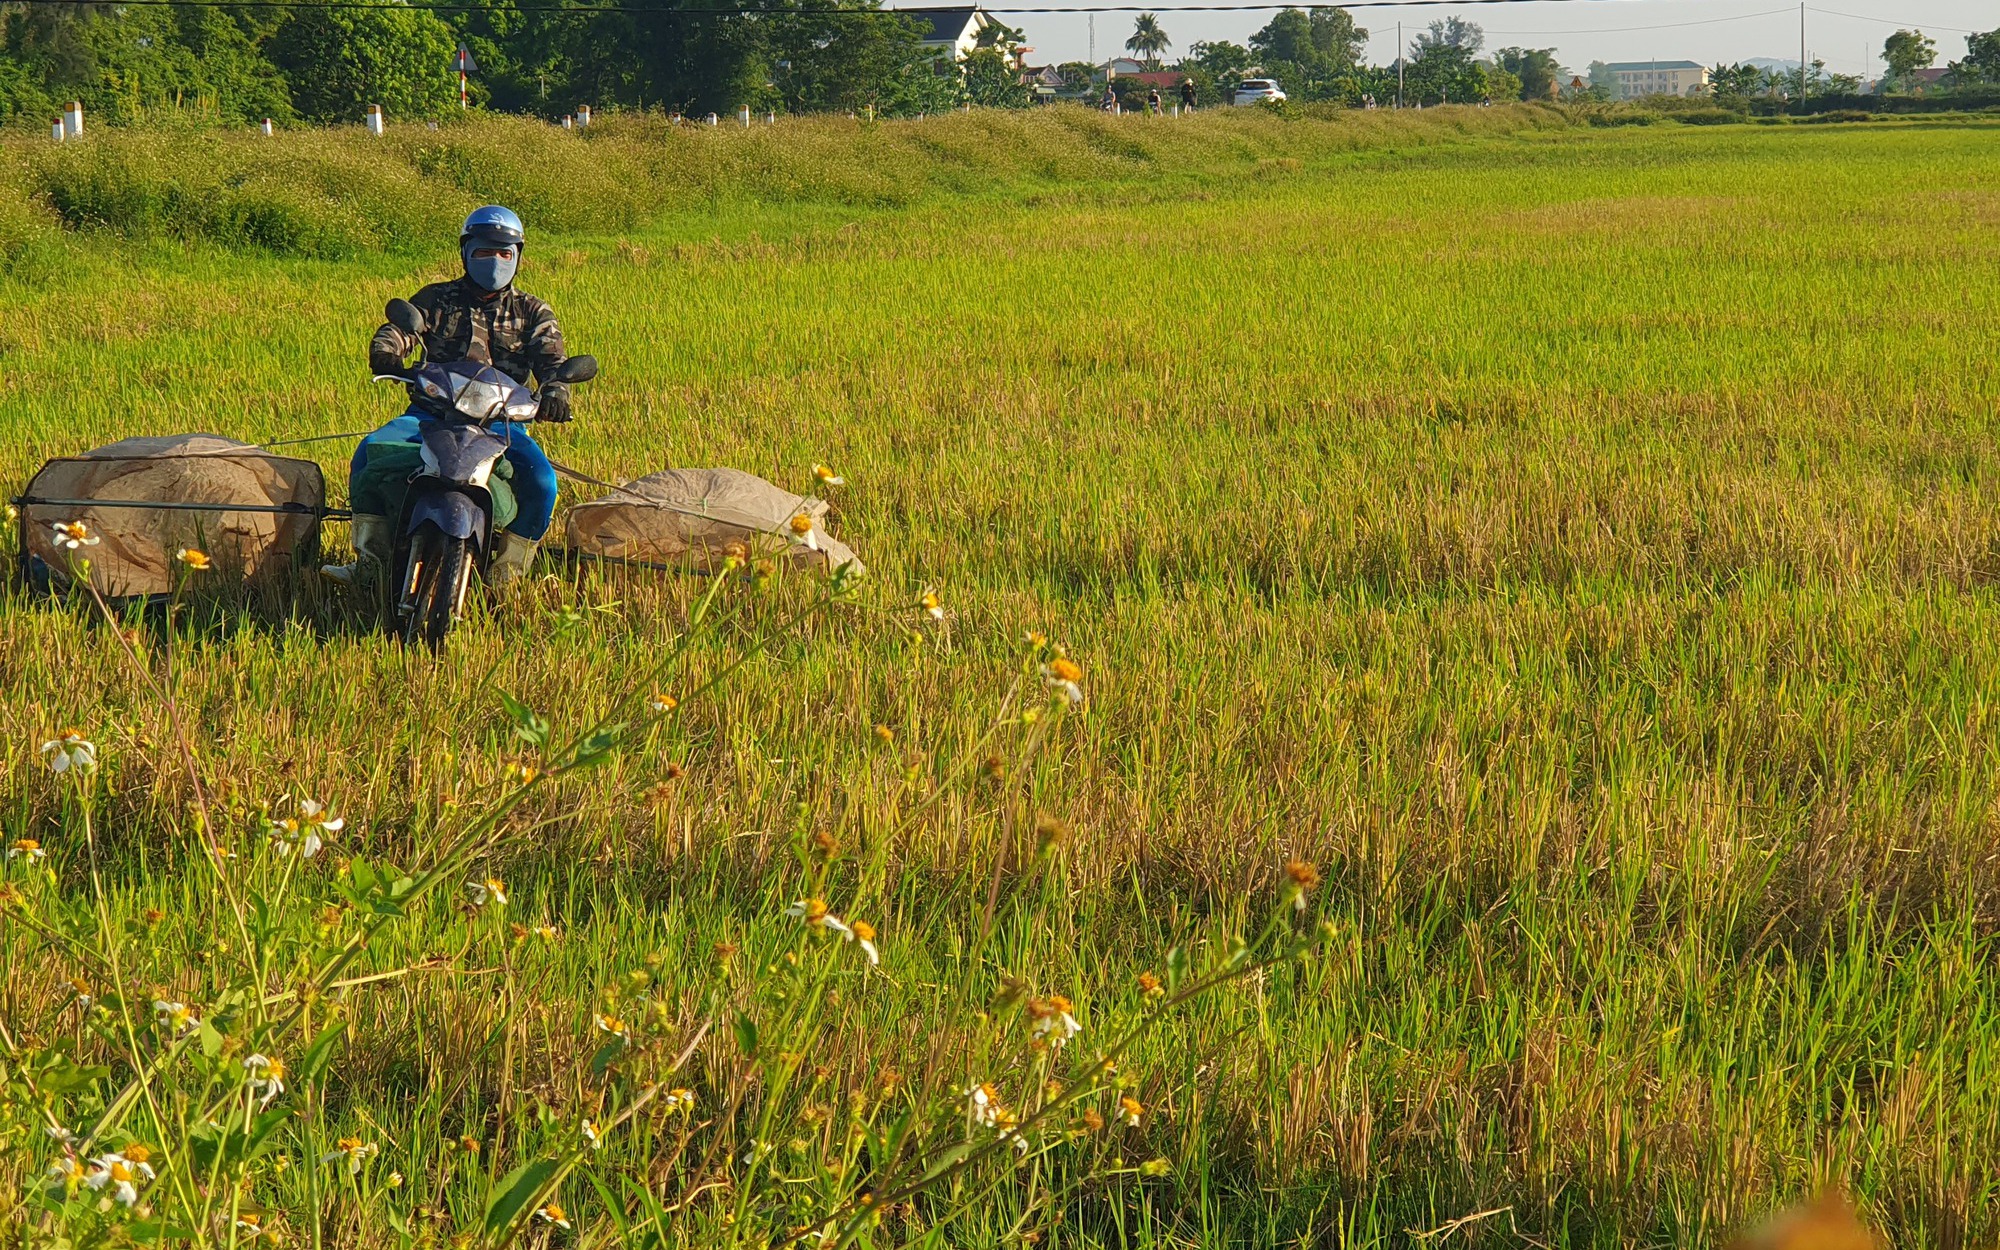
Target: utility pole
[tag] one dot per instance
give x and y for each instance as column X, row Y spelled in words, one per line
column 1093, row 39
column 1802, row 57
column 1399, row 65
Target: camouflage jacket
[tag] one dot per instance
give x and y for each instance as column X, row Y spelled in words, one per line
column 512, row 331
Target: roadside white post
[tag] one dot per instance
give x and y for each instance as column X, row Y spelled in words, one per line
column 583, row 114
column 73, row 119
column 56, row 130
column 771, row 118
column 267, row 127
column 568, row 123
column 744, row 113
column 375, row 119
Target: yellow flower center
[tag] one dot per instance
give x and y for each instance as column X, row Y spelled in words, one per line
column 802, row 524
column 120, row 1172
column 137, row 1153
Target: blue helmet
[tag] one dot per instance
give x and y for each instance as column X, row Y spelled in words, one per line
column 494, row 226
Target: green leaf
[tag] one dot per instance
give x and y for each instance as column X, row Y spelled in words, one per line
column 596, row 748
column 943, row 1161
column 1177, row 965
column 746, row 1034
column 516, row 1190
column 529, row 726
column 1239, row 952
column 142, row 1232
column 263, row 1130
column 362, row 875
column 211, row 1040
column 318, row 1053
column 606, row 1055
column 65, row 1077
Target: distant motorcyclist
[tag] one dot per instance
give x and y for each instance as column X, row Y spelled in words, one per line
column 479, row 316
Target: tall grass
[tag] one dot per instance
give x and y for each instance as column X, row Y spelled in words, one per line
column 335, row 193
column 1576, row 544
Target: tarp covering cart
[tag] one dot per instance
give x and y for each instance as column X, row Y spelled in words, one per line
column 144, row 500
column 689, row 518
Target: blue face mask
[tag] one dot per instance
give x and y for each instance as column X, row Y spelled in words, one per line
column 491, row 273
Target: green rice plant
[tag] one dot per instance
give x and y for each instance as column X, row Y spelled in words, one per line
column 1577, row 543
column 199, row 1118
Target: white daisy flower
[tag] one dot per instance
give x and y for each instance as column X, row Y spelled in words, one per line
column 265, row 1077
column 551, row 1213
column 491, row 891
column 864, row 933
column 73, row 534
column 71, row 751
column 984, row 1102
column 178, row 1017
column 814, row 912
column 121, row 1173
column 354, row 1150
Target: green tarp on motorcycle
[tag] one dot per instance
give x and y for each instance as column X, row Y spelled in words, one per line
column 378, row 489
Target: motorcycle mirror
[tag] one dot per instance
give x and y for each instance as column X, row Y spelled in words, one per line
column 405, row 316
column 576, row 369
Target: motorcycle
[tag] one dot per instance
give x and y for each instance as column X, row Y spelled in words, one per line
column 445, row 526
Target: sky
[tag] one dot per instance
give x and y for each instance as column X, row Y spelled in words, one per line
column 1848, row 39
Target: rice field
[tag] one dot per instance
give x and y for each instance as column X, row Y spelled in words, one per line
column 1535, row 783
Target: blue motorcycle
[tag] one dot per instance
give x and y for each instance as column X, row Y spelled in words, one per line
column 445, row 525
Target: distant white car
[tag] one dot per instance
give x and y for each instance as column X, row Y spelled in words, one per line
column 1256, row 90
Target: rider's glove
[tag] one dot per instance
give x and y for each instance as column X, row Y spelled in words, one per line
column 555, row 403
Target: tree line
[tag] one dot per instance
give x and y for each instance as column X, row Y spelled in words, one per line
column 234, row 64
column 1316, row 56
column 237, row 64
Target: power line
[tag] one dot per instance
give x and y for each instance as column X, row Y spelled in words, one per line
column 1619, row 30
column 1896, row 22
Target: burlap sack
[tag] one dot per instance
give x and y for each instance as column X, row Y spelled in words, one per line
column 691, row 517
column 135, row 554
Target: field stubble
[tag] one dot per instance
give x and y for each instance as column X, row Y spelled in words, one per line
column 1578, row 545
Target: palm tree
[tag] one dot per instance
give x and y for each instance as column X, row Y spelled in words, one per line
column 1148, row 40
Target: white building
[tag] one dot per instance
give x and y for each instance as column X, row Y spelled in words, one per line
column 1644, row 78
column 954, row 31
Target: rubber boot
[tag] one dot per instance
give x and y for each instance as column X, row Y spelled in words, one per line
column 512, row 554
column 374, row 544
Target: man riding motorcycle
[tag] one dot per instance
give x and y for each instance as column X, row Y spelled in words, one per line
column 480, row 316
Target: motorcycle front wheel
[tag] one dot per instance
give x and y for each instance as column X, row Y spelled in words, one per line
column 434, row 584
